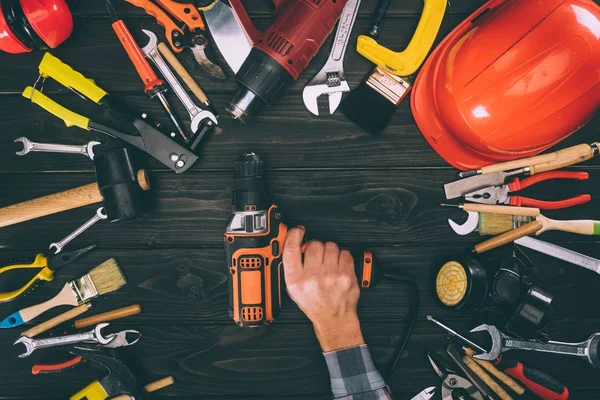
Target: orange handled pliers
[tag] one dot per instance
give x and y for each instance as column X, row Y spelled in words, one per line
column 500, row 194
column 191, row 34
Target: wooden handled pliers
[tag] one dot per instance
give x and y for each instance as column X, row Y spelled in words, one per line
column 501, row 194
column 46, row 267
column 191, row 33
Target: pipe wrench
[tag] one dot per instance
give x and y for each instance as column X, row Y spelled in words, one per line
column 192, row 36
column 331, row 80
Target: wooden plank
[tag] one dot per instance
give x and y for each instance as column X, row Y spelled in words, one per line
column 286, row 135
column 99, row 57
column 360, row 208
column 189, row 286
column 215, row 361
column 265, row 8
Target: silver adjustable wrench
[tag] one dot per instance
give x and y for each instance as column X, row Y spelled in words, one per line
column 501, row 343
column 29, row 146
column 197, row 114
column 331, row 80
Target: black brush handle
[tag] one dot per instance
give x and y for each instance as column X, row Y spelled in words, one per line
column 378, row 16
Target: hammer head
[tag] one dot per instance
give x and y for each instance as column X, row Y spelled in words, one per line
column 119, row 183
column 120, row 379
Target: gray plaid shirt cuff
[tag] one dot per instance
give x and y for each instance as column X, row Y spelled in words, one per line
column 354, row 376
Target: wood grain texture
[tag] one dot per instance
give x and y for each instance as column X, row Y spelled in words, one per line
column 375, row 193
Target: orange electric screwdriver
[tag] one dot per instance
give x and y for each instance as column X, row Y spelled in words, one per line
column 254, row 241
column 154, row 86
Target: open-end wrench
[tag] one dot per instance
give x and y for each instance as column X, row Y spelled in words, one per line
column 100, row 215
column 29, row 146
column 93, row 336
column 197, row 114
column 331, row 80
column 501, row 343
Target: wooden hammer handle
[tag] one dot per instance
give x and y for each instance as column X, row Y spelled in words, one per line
column 509, row 236
column 51, row 204
column 108, row 316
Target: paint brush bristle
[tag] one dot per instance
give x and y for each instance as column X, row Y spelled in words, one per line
column 107, row 277
column 494, row 224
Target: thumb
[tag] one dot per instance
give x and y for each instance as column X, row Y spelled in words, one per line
column 292, row 253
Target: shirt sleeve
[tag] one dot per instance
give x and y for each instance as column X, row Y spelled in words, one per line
column 354, row 376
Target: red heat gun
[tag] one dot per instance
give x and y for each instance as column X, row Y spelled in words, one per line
column 280, row 53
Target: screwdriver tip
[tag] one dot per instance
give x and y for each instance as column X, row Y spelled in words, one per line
column 449, row 205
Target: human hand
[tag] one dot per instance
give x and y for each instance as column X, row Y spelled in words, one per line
column 325, row 288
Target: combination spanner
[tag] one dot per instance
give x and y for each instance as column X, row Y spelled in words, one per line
column 197, row 114
column 29, row 146
column 93, row 336
column 100, row 215
column 331, row 80
column 502, row 343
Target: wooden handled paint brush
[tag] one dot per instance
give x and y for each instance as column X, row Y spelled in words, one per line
column 105, row 278
column 535, row 225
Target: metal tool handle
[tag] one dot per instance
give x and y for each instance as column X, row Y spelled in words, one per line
column 342, row 36
column 561, row 253
column 65, row 340
column 575, row 349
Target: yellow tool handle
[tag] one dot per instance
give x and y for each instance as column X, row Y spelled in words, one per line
column 69, row 117
column 492, row 384
column 45, row 274
column 506, row 210
column 51, row 204
column 187, row 78
column 509, row 236
column 545, row 162
column 93, row 391
column 59, row 319
column 408, row 61
column 52, row 67
column 582, row 226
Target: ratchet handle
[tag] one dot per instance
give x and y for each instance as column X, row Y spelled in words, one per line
column 518, row 184
column 53, row 368
column 162, row 19
column 550, row 205
column 143, row 68
column 540, row 383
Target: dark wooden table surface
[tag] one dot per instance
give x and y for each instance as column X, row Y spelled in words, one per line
column 380, row 193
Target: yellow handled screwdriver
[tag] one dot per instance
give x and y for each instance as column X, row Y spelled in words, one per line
column 47, row 267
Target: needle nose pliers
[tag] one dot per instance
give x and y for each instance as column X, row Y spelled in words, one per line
column 501, row 194
column 46, row 266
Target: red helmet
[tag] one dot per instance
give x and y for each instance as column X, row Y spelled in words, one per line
column 512, row 80
column 33, row 24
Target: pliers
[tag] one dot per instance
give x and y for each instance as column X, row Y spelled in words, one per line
column 500, row 194
column 193, row 34
column 47, row 267
column 454, row 386
column 131, row 129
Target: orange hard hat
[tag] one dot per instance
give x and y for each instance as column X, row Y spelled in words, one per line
column 515, row 78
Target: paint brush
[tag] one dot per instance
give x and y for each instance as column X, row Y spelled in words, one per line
column 105, row 278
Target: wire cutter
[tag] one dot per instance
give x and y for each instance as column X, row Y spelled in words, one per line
column 133, row 130
column 193, row 33
column 425, row 394
column 47, row 267
column 454, row 387
column 501, row 194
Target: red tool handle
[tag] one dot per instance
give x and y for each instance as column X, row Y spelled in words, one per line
column 136, row 56
column 520, row 201
column 540, row 383
column 50, row 368
column 518, row 184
